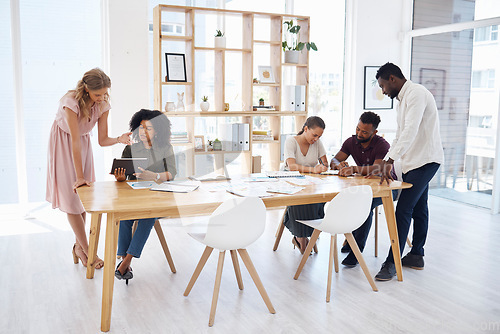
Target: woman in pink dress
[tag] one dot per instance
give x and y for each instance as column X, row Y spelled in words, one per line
column 70, row 160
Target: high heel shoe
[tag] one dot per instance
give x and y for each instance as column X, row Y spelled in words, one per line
column 76, row 257
column 296, row 243
column 128, row 274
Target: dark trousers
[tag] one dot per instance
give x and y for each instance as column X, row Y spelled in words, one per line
column 413, row 204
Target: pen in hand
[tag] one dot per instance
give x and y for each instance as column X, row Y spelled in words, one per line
column 321, row 162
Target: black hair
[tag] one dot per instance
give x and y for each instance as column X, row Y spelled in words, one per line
column 388, row 69
column 311, row 123
column 160, row 122
column 369, row 117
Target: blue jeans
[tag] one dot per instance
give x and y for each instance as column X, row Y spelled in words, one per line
column 134, row 245
column 361, row 233
column 413, row 204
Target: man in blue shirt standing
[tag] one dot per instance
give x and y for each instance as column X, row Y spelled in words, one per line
column 418, row 146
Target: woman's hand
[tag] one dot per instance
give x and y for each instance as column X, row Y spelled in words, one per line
column 80, row 182
column 146, row 175
column 347, row 171
column 120, row 174
column 125, row 138
column 319, row 169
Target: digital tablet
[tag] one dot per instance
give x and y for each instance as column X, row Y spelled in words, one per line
column 131, row 165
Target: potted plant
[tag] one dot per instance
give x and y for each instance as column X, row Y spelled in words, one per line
column 204, row 105
column 261, row 102
column 291, row 44
column 220, row 39
column 217, row 145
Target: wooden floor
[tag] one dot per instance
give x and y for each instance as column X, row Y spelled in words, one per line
column 42, row 291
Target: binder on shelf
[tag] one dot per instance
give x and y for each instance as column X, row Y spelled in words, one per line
column 244, row 136
column 283, row 138
column 295, row 98
column 235, row 136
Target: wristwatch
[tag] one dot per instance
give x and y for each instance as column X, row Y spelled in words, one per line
column 157, row 177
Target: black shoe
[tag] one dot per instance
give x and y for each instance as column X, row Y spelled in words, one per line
column 413, row 261
column 128, row 274
column 387, row 272
column 350, row 260
column 345, row 248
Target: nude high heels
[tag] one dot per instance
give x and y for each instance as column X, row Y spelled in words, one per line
column 76, row 257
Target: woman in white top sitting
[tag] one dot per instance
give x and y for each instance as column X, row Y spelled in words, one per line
column 305, row 153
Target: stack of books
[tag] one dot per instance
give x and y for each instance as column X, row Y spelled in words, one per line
column 263, row 108
column 262, row 135
column 179, row 137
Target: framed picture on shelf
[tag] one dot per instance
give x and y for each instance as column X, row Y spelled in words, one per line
column 199, row 143
column 176, row 67
column 266, row 74
column 373, row 97
column 434, row 80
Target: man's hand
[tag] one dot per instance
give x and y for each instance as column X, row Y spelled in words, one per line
column 384, row 170
column 347, row 171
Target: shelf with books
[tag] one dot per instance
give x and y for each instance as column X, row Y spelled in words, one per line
column 212, row 72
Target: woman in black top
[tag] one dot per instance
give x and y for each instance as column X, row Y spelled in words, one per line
column 151, row 133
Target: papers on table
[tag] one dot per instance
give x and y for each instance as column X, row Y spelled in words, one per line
column 210, row 177
column 283, row 188
column 177, row 186
column 263, row 189
column 249, row 190
column 141, row 184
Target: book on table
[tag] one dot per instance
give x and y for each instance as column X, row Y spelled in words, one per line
column 284, row 173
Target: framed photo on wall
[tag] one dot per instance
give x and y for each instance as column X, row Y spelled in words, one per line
column 176, row 67
column 373, row 97
column 434, row 80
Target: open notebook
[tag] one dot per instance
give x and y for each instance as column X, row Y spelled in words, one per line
column 284, row 173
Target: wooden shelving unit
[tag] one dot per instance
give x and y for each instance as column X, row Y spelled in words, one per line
column 198, row 49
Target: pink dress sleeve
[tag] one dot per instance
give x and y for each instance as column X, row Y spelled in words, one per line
column 70, row 102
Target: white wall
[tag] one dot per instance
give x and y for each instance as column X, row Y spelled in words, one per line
column 375, row 34
column 126, row 59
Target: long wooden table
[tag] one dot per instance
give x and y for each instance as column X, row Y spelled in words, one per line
column 119, row 201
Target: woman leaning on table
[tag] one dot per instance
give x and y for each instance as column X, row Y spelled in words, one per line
column 151, row 133
column 306, row 154
column 70, row 159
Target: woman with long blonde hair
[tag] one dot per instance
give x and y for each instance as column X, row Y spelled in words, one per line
column 70, row 159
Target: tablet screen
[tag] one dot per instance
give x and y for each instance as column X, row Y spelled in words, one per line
column 131, row 165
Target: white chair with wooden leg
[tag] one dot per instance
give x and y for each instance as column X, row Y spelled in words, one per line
column 234, row 225
column 279, row 233
column 343, row 214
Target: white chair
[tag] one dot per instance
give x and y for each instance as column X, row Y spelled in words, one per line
column 234, row 225
column 343, row 214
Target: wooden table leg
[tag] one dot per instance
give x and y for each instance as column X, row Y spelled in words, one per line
column 95, row 228
column 390, row 217
column 108, row 281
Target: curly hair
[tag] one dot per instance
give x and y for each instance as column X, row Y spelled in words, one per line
column 160, row 122
column 311, row 123
column 388, row 69
column 94, row 79
column 369, row 117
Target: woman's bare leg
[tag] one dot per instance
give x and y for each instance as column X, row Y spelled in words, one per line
column 77, row 223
